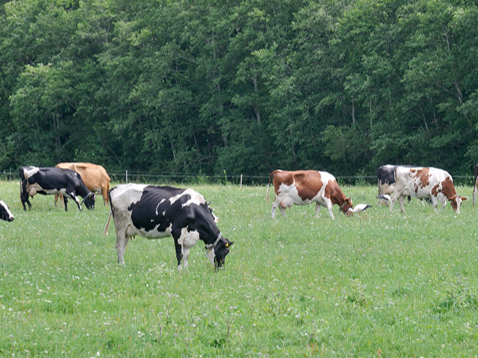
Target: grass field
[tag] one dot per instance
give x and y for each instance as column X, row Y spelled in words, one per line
column 385, row 285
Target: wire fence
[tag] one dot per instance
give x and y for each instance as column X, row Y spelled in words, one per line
column 237, row 179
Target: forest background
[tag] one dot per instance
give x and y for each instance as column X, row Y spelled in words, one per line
column 213, row 87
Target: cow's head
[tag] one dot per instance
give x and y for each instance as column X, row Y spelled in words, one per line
column 5, row 213
column 347, row 204
column 456, row 201
column 217, row 252
column 89, row 201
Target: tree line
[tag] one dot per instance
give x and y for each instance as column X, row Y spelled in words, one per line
column 239, row 87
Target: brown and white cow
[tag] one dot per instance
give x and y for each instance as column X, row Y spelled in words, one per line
column 94, row 176
column 304, row 187
column 425, row 182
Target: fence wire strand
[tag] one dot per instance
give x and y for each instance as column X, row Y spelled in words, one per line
column 238, row 179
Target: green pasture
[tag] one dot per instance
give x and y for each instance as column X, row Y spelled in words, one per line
column 382, row 285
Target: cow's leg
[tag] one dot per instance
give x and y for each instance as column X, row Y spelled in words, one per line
column 435, row 203
column 443, row 203
column 26, row 201
column 29, row 205
column 328, row 205
column 401, row 200
column 274, row 208
column 282, row 211
column 65, row 201
column 121, row 220
column 176, row 234
column 474, row 194
column 179, row 253
column 395, row 196
column 59, row 196
column 317, row 209
column 121, row 242
column 275, row 204
column 24, row 197
column 105, row 195
column 187, row 240
column 185, row 251
column 73, row 196
column 380, row 192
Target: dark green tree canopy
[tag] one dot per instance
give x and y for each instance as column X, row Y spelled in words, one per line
column 239, row 87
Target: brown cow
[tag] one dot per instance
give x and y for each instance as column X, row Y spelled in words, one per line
column 94, row 176
column 304, row 187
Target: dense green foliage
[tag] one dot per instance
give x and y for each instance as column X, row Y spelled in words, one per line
column 386, row 285
column 204, row 87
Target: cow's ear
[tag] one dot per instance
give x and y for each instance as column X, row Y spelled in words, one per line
column 463, row 198
column 229, row 243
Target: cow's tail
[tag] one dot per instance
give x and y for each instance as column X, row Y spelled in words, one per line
column 22, row 181
column 107, row 226
column 379, row 177
column 271, row 177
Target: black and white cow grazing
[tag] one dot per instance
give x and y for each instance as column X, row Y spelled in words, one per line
column 5, row 213
column 160, row 211
column 34, row 180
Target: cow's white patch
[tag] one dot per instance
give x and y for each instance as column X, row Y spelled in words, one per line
column 127, row 194
column 195, row 198
column 188, row 238
column 151, row 234
column 157, row 206
column 33, row 189
column 289, row 195
column 29, row 171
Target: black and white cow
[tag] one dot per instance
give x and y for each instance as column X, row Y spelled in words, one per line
column 35, row 180
column 5, row 213
column 160, row 211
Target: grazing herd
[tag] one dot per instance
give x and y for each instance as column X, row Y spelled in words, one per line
column 156, row 212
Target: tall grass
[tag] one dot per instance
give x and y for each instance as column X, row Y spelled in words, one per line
column 384, row 285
